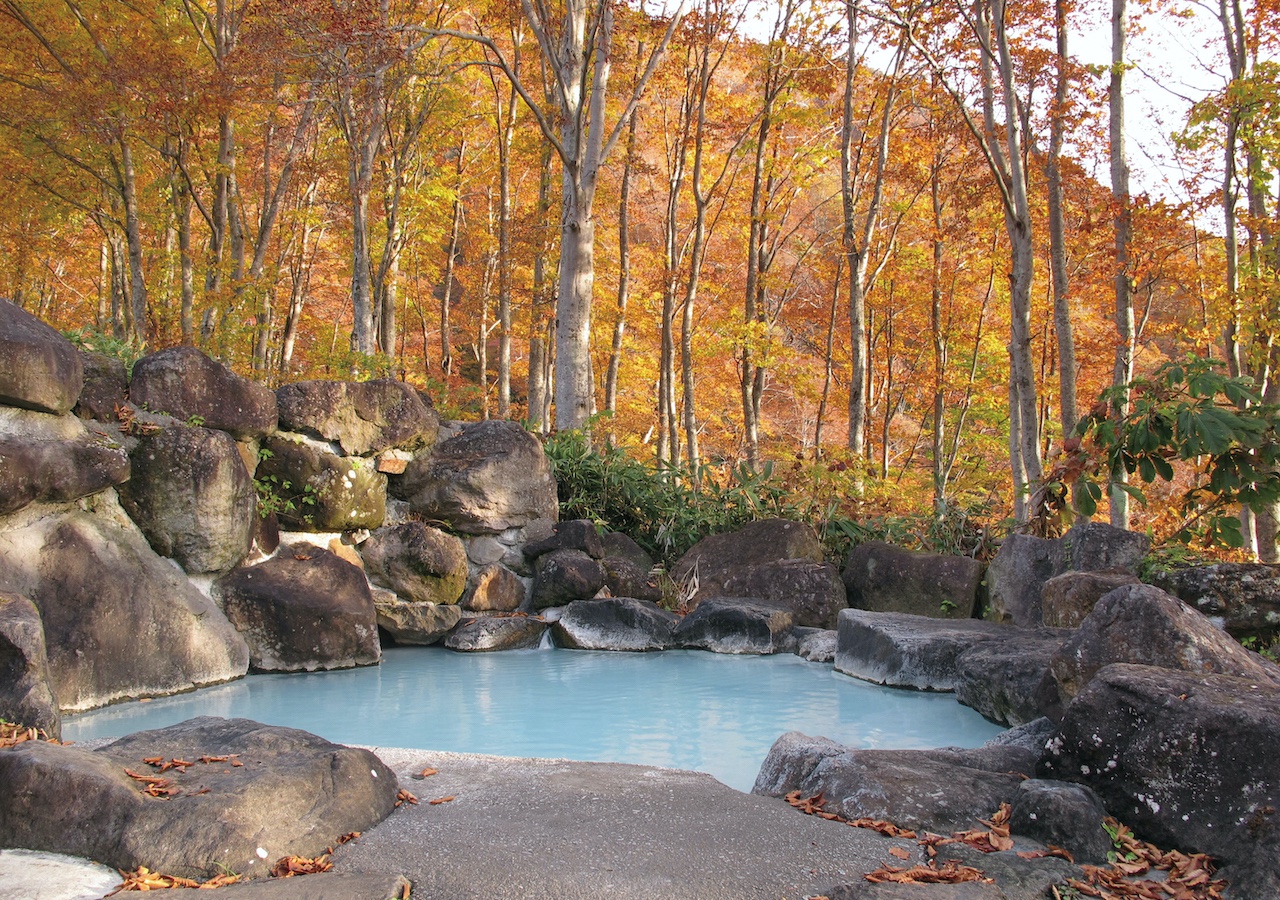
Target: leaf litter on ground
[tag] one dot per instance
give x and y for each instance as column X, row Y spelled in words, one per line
column 1130, row 876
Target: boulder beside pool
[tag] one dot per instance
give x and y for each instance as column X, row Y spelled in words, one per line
column 245, row 795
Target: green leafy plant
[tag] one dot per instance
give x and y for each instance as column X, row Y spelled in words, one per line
column 1213, row 426
column 96, row 341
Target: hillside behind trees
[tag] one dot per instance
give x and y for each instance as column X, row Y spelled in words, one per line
column 861, row 241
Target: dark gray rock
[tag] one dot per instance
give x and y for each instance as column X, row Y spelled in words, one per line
column 711, row 562
column 491, row 477
column 106, row 386
column 184, row 383
column 1062, row 815
column 626, row 578
column 1244, row 598
column 1016, row 878
column 1144, row 625
column 26, row 696
column 1031, row 736
column 1186, row 760
column 497, row 633
column 1016, row 577
column 907, row 651
column 327, row 492
column 576, row 534
column 812, row 590
column 363, row 417
column 119, row 621
column 563, row 576
column 615, row 623
column 409, row 622
column 1001, row 678
column 192, row 497
column 56, row 471
column 416, row 561
column 1066, row 599
column 737, row 625
column 617, row 545
column 39, row 368
column 496, row 589
column 937, row 791
column 295, row 794
column 885, row 578
column 303, row 610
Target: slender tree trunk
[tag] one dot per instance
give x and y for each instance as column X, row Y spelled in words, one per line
column 1123, row 373
column 624, row 267
column 1057, row 234
column 446, row 298
column 539, row 356
column 139, row 309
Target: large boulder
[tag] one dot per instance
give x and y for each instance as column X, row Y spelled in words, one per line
column 491, row 477
column 706, row 567
column 414, row 623
column 119, row 621
column 321, row 491
column 106, row 387
column 25, row 693
column 56, row 471
column 1001, row 678
column 884, row 578
column 737, row 625
column 1185, row 759
column 363, row 417
column 931, row 790
column 902, row 650
column 813, row 590
column 574, row 534
column 1244, row 598
column 564, row 576
column 248, row 795
column 303, row 610
column 1068, row 598
column 489, row 633
column 1064, row 815
column 496, row 588
column 615, row 623
column 39, row 368
column 418, row 562
column 1144, row 625
column 191, row 387
column 193, row 498
column 1016, row 576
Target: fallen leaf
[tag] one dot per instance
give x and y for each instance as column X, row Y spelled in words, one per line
column 949, row 873
column 428, row 772
column 899, row 852
column 439, row 800
column 886, row 828
column 288, row 866
column 403, row 796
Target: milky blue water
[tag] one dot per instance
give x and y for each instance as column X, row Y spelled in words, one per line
column 685, row 709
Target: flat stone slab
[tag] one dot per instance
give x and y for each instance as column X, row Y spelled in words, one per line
column 25, row 874
column 560, row 830
column 903, row 650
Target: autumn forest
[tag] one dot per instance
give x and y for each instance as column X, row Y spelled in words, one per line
column 896, row 240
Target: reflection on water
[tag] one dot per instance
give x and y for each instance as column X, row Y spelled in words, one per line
column 685, row 709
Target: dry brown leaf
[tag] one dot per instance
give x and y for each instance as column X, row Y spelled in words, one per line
column 428, row 772
column 288, row 866
column 886, row 828
column 439, row 800
column 403, row 796
column 949, row 873
column 900, row 852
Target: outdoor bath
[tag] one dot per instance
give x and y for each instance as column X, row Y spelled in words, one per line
column 684, row 709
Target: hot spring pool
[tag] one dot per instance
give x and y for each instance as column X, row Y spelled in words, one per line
column 684, row 709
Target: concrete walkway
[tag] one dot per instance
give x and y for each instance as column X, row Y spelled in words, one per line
column 556, row 830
